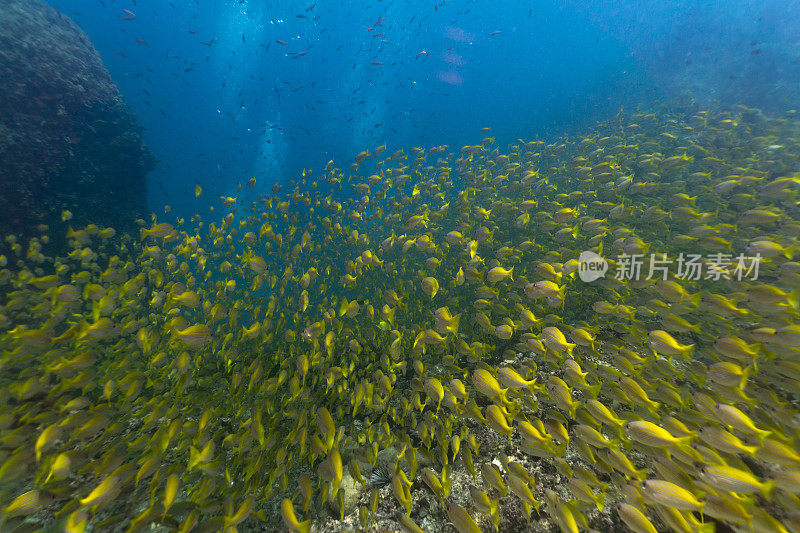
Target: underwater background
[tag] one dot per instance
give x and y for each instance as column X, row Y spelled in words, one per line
column 389, row 266
column 243, row 105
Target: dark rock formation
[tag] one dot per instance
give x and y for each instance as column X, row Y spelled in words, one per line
column 67, row 138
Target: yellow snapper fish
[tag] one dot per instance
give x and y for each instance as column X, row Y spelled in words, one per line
column 373, row 322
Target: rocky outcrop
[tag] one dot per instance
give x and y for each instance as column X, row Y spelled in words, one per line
column 67, row 138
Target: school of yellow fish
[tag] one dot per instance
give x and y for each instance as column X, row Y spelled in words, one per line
column 419, row 318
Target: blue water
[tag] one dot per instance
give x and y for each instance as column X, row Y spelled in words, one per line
column 221, row 100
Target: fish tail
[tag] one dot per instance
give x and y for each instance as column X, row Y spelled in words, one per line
column 502, row 395
column 95, row 314
column 707, row 527
column 494, row 508
column 794, row 299
column 594, row 390
column 766, row 489
column 600, row 500
column 749, row 401
column 687, row 352
column 695, row 299
column 573, row 408
column 528, row 509
column 746, row 375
